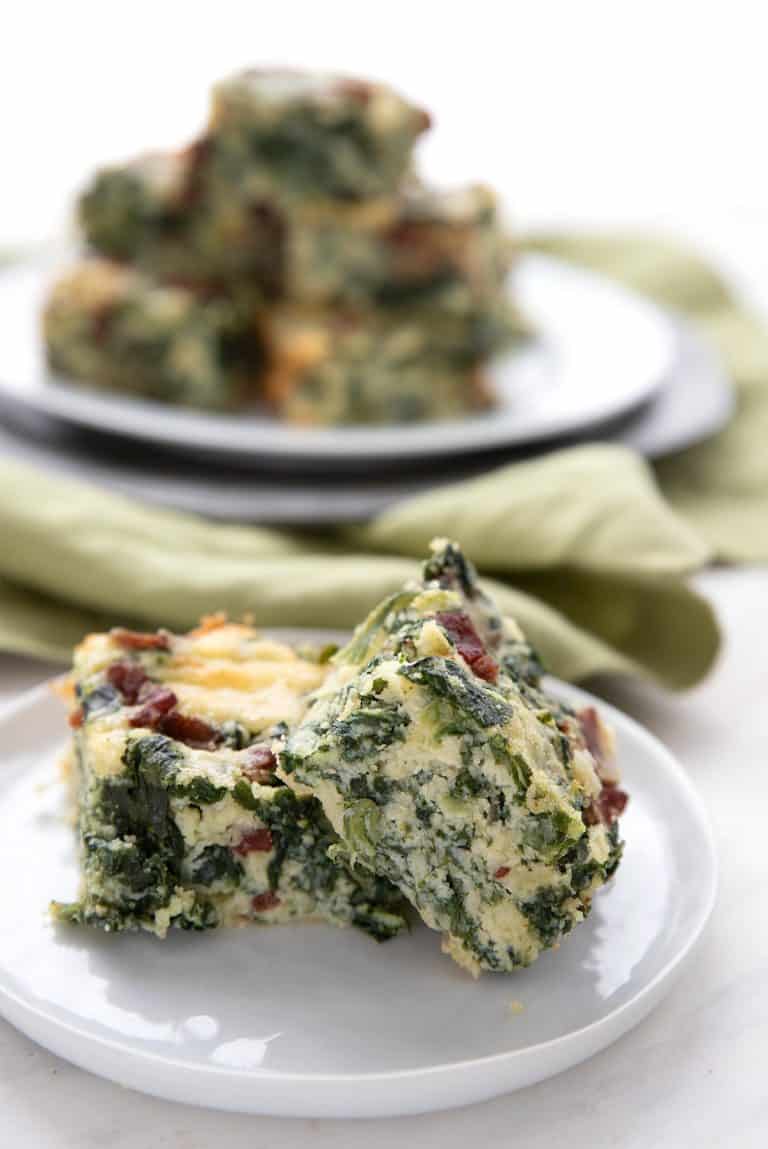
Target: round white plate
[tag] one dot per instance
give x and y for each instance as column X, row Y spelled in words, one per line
column 600, row 352
column 316, row 1021
column 696, row 401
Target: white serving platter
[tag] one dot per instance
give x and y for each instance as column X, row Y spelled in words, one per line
column 308, row 1020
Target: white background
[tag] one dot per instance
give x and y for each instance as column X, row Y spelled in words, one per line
column 596, row 113
column 647, row 115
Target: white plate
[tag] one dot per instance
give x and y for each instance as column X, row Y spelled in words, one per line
column 316, row 1021
column 601, row 352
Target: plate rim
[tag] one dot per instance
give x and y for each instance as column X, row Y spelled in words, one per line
column 152, row 422
column 603, row 1031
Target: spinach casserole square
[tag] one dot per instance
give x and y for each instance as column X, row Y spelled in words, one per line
column 445, row 767
column 181, row 819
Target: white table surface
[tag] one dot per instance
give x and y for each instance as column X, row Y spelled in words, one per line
column 693, row 1074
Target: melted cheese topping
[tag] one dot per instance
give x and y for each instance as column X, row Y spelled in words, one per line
column 222, row 672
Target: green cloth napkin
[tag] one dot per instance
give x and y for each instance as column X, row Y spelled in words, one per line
column 720, row 486
column 579, row 545
column 587, row 547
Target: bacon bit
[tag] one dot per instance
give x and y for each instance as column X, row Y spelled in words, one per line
column 459, row 628
column 260, row 762
column 607, row 807
column 194, row 732
column 485, row 667
column 590, row 728
column 266, row 901
column 76, row 718
column 128, row 678
column 611, row 803
column 136, row 640
column 501, row 872
column 155, row 703
column 255, row 841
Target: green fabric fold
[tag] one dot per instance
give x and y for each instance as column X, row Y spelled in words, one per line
column 719, row 486
column 78, row 558
column 594, row 508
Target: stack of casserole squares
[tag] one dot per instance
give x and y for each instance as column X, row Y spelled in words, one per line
column 289, row 257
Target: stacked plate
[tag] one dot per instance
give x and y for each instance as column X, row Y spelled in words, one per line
column 605, row 365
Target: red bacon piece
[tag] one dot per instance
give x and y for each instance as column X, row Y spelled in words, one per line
column 255, row 841
column 137, row 640
column 155, row 703
column 460, row 629
column 611, row 802
column 259, row 765
column 128, row 678
column 194, row 732
column 266, row 901
column 501, row 872
column 607, row 807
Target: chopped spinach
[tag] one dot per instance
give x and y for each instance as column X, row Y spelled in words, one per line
column 466, row 784
column 201, row 791
column 369, row 729
column 449, row 568
column 140, row 873
column 548, row 834
column 215, row 864
column 357, row 648
column 201, row 915
column 583, row 867
column 522, row 663
column 362, row 827
column 147, row 849
column 515, row 763
column 380, row 924
column 617, row 850
column 155, row 756
column 547, row 913
column 243, row 794
column 479, row 704
column 374, row 786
